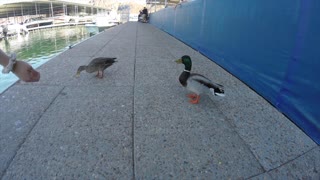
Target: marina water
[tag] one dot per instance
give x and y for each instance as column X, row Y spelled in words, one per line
column 37, row 47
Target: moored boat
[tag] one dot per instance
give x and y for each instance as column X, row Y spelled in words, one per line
column 37, row 22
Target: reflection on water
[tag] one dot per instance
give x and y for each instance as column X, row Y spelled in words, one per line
column 39, row 46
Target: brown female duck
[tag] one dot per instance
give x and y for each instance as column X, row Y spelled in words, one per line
column 97, row 65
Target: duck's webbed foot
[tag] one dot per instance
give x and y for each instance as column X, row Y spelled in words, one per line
column 194, row 98
column 101, row 75
column 98, row 74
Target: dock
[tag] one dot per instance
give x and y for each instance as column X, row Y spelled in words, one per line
column 137, row 123
column 59, row 25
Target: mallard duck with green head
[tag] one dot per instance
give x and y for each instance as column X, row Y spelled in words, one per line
column 197, row 83
column 98, row 65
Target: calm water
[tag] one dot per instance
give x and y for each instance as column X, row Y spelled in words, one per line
column 40, row 46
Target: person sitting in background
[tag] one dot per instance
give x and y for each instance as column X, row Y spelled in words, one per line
column 145, row 14
column 21, row 69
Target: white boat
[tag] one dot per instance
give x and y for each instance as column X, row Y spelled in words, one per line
column 101, row 23
column 37, row 22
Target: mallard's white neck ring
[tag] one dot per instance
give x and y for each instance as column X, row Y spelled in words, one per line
column 186, row 71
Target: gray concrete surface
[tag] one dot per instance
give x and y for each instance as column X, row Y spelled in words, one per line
column 136, row 123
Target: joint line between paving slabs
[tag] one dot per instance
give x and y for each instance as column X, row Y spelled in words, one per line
column 110, row 40
column 133, row 102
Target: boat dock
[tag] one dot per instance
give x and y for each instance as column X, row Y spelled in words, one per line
column 137, row 123
column 19, row 17
column 58, row 25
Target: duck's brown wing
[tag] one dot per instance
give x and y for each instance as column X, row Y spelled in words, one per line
column 100, row 63
column 101, row 60
column 108, row 63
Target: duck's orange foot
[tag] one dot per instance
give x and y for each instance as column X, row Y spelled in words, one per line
column 194, row 99
column 192, row 96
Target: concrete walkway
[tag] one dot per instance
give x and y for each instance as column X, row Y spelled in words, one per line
column 136, row 123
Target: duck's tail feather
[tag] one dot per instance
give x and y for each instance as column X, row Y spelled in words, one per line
column 216, row 93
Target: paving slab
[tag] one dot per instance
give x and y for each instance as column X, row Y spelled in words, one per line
column 307, row 166
column 136, row 123
column 85, row 133
column 156, row 71
column 20, row 112
column 271, row 136
column 177, row 140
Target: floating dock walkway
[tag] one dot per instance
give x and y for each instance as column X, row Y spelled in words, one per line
column 136, row 123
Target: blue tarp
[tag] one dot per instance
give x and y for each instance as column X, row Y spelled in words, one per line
column 272, row 46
